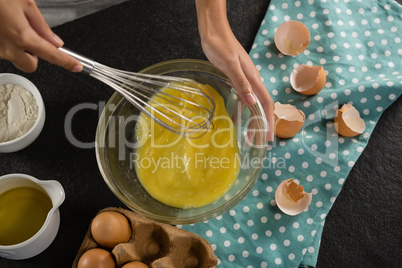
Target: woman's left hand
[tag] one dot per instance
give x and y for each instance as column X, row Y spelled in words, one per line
column 223, row 50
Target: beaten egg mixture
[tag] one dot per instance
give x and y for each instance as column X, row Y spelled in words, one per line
column 183, row 172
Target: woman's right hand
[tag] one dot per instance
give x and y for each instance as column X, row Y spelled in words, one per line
column 25, row 37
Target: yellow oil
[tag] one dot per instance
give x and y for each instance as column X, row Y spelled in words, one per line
column 23, row 211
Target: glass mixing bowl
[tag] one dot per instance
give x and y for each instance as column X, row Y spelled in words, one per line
column 115, row 146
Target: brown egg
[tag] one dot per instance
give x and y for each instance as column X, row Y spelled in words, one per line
column 292, row 37
column 308, row 80
column 288, row 120
column 96, row 258
column 347, row 121
column 291, row 197
column 135, row 264
column 110, row 228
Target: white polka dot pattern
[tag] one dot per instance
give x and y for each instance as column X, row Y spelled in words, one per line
column 359, row 45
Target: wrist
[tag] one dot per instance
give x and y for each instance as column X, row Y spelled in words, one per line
column 212, row 18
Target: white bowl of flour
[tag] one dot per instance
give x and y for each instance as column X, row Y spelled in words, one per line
column 22, row 112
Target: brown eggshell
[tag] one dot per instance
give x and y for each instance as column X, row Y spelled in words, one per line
column 110, row 228
column 96, row 258
column 288, row 120
column 286, row 204
column 292, row 37
column 308, row 80
column 347, row 121
column 135, row 264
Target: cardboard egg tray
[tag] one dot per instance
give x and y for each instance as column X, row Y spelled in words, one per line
column 155, row 244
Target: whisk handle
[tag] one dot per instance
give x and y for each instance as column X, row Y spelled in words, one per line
column 87, row 63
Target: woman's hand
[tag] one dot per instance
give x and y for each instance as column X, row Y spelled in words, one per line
column 225, row 52
column 25, row 36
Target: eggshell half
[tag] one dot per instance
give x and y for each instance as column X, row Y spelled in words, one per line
column 288, row 120
column 286, row 204
column 292, row 37
column 308, row 80
column 348, row 122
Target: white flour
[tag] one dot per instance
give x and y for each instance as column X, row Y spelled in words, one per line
column 18, row 111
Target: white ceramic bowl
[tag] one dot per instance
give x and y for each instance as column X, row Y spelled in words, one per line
column 26, row 139
column 47, row 233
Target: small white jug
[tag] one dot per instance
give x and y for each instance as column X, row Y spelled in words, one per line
column 47, row 233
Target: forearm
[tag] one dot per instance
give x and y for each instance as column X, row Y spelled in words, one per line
column 212, row 18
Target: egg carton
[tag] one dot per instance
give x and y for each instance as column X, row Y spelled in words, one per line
column 158, row 245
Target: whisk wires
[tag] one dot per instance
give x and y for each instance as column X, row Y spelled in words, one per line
column 180, row 105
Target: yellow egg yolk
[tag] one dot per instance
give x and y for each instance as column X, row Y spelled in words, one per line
column 183, row 172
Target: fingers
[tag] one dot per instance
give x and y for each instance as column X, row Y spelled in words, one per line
column 263, row 96
column 25, row 55
column 256, row 86
column 39, row 24
column 248, row 84
column 46, row 43
column 27, row 37
column 53, row 55
column 268, row 107
column 241, row 84
column 25, row 61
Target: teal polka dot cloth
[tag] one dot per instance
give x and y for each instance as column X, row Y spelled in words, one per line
column 359, row 45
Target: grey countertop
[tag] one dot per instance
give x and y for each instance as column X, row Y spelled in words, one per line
column 362, row 229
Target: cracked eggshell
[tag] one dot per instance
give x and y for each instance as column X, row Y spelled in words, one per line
column 288, row 120
column 286, row 203
column 292, row 37
column 308, row 80
column 348, row 122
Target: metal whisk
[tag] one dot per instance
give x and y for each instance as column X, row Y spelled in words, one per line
column 180, row 105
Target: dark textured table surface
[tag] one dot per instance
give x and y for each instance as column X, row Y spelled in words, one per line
column 362, row 229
